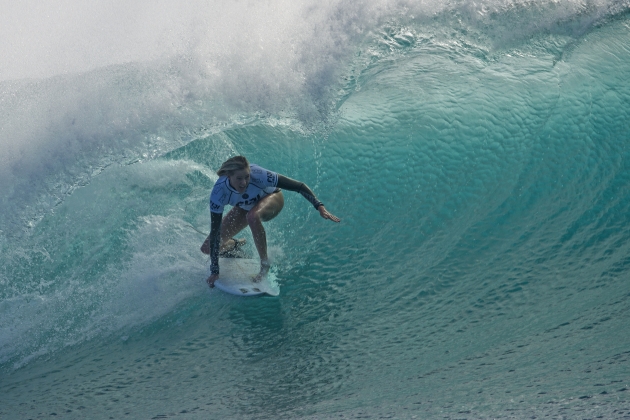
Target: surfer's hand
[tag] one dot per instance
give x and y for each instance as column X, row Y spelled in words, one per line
column 210, row 280
column 324, row 213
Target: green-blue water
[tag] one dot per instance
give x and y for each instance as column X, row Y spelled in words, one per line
column 478, row 156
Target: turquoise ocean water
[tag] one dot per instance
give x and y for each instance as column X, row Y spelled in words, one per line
column 478, row 154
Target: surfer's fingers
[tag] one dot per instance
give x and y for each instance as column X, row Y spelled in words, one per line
column 327, row 215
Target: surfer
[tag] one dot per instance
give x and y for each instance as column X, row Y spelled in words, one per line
column 257, row 197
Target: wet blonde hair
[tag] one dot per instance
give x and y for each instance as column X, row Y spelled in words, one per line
column 236, row 163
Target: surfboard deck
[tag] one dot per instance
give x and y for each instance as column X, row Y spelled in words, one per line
column 237, row 276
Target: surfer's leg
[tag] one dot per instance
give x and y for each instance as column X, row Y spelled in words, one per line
column 268, row 208
column 233, row 223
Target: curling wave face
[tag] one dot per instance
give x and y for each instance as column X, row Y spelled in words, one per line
column 476, row 153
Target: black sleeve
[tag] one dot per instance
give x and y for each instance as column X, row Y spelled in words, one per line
column 297, row 186
column 215, row 241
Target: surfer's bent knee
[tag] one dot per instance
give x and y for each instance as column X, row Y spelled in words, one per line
column 268, row 208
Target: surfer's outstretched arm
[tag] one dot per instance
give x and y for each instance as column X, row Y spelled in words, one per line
column 297, row 186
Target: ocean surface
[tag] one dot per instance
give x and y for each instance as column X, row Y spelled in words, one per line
column 477, row 152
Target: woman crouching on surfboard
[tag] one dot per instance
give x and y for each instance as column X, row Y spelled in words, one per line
column 257, row 197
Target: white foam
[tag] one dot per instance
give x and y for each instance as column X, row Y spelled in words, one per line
column 160, row 267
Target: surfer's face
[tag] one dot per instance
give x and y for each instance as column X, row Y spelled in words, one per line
column 239, row 180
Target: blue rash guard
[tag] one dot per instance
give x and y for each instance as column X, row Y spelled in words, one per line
column 262, row 183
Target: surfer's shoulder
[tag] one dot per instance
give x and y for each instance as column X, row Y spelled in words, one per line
column 220, row 192
column 262, row 177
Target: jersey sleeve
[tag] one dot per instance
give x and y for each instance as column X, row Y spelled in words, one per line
column 218, row 198
column 263, row 178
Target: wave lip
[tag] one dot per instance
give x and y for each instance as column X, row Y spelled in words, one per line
column 161, row 78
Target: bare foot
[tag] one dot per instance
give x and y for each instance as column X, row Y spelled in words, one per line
column 264, row 269
column 231, row 247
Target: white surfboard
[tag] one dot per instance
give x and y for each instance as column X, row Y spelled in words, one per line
column 237, row 276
